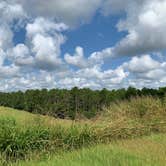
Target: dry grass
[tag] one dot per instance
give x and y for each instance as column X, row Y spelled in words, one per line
column 140, row 108
column 147, row 146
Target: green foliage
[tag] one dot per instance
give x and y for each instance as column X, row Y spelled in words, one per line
column 69, row 103
column 17, row 142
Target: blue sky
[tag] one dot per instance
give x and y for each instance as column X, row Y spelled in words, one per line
column 90, row 44
column 99, row 34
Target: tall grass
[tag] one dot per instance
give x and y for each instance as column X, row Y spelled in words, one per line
column 148, row 109
column 18, row 143
column 147, row 151
column 134, row 118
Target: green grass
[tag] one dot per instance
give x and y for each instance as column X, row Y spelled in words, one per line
column 17, row 142
column 146, row 151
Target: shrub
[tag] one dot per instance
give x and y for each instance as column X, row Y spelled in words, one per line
column 18, row 143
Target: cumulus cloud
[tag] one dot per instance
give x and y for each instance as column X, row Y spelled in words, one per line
column 142, row 64
column 6, row 36
column 10, row 11
column 2, row 57
column 77, row 59
column 46, row 40
column 46, row 50
column 100, row 56
column 145, row 24
column 95, row 59
column 71, row 12
column 20, row 55
column 94, row 78
column 43, row 26
column 145, row 71
column 8, row 71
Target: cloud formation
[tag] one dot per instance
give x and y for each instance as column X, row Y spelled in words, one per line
column 145, row 25
column 38, row 62
column 70, row 12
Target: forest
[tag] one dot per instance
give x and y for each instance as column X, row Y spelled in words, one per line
column 68, row 104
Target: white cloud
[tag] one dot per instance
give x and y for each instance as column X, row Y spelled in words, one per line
column 145, row 71
column 45, row 40
column 142, row 64
column 8, row 71
column 43, row 26
column 10, row 11
column 2, row 57
column 95, row 59
column 71, row 12
column 20, row 55
column 6, row 36
column 47, row 51
column 98, row 57
column 145, row 24
column 77, row 59
column 19, row 51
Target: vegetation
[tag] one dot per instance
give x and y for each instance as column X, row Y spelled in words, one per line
column 147, row 151
column 71, row 103
column 18, row 143
column 26, row 136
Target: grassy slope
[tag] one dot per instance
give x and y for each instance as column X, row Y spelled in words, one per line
column 122, row 120
column 144, row 110
column 26, row 119
column 147, row 151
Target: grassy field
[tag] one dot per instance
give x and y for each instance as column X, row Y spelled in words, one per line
column 43, row 140
column 146, row 151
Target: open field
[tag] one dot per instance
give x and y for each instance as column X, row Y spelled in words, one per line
column 113, row 136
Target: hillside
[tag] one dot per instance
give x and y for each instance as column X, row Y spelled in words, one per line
column 33, row 137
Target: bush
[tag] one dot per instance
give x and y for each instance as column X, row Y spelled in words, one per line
column 18, row 143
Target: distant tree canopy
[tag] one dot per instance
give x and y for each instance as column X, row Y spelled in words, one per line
column 68, row 103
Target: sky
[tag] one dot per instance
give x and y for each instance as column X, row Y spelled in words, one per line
column 85, row 43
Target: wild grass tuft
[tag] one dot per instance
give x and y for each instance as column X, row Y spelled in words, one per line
column 18, row 143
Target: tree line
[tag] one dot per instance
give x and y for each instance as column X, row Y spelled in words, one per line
column 62, row 103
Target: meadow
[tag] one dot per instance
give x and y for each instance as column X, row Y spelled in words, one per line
column 130, row 132
column 146, row 151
